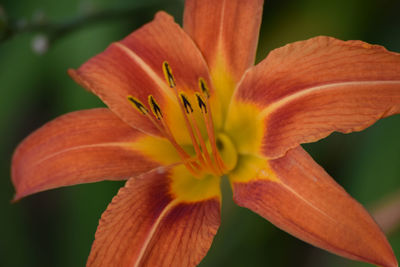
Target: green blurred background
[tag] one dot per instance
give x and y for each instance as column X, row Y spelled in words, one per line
column 56, row 228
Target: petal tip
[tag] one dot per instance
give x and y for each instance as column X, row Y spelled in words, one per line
column 74, row 74
column 162, row 15
column 393, row 261
column 71, row 72
column 387, row 258
column 20, row 195
column 15, row 199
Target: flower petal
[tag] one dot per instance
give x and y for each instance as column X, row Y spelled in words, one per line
column 298, row 196
column 134, row 67
column 148, row 224
column 308, row 89
column 79, row 147
column 226, row 31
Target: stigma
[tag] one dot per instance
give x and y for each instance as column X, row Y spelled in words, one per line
column 206, row 158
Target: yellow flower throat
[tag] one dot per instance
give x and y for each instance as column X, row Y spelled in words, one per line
column 214, row 154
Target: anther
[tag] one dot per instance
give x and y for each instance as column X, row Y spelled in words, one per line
column 138, row 105
column 203, row 87
column 186, row 103
column 168, row 74
column 155, row 107
column 201, row 103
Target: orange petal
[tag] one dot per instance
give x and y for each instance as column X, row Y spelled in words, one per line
column 79, row 147
column 226, row 29
column 146, row 225
column 133, row 67
column 308, row 89
column 298, row 196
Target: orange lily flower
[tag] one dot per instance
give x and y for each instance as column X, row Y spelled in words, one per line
column 186, row 107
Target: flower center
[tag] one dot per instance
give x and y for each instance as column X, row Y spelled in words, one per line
column 211, row 154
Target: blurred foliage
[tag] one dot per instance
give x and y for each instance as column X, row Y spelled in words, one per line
column 56, row 228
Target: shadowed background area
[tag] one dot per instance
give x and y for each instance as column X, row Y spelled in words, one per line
column 41, row 39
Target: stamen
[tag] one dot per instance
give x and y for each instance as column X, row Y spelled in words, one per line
column 203, row 87
column 186, row 103
column 204, row 160
column 155, row 107
column 201, row 103
column 204, row 106
column 158, row 114
column 142, row 109
column 168, row 74
column 185, row 107
column 189, row 111
column 138, row 105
